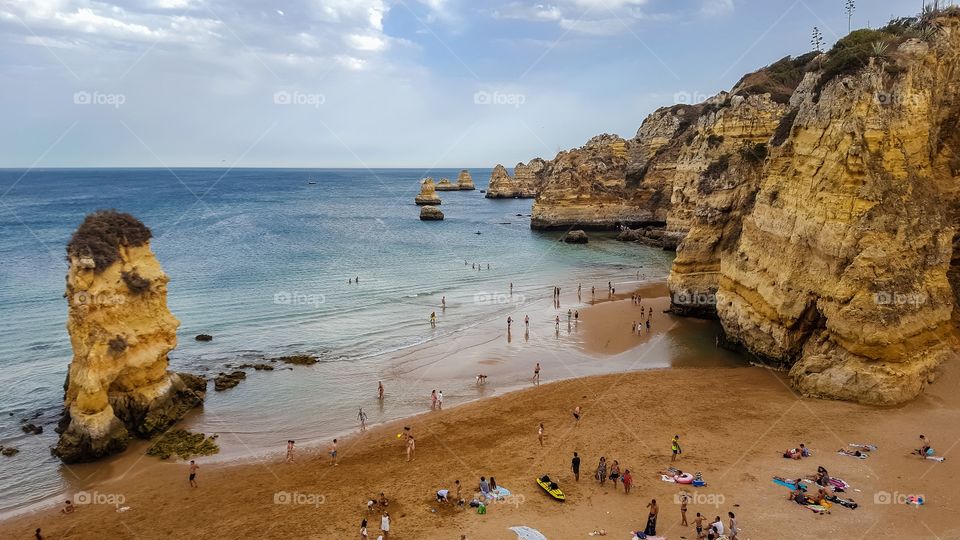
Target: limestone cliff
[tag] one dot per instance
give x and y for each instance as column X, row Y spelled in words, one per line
column 524, row 184
column 817, row 203
column 465, row 181
column 118, row 383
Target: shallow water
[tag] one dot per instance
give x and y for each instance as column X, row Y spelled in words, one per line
column 260, row 259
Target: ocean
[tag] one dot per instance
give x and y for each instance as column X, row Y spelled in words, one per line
column 260, row 259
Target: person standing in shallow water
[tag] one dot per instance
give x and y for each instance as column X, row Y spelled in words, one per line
column 536, row 374
column 362, row 417
column 380, row 390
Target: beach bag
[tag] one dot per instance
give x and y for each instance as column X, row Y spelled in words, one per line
column 930, row 451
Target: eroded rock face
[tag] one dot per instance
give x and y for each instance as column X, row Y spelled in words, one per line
column 465, row 181
column 445, row 185
column 430, row 213
column 524, row 184
column 118, row 384
column 428, row 193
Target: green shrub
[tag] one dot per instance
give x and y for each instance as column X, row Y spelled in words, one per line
column 852, row 53
column 102, row 233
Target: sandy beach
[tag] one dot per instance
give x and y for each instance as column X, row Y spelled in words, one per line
column 734, row 424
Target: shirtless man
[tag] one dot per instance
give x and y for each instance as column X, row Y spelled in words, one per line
column 193, row 473
column 536, row 374
column 333, row 452
column 576, row 415
column 411, row 446
column 380, row 390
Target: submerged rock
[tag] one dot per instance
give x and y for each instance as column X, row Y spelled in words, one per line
column 428, row 193
column 32, row 429
column 225, row 381
column 299, row 359
column 9, row 451
column 183, row 444
column 204, row 337
column 430, row 213
column 118, row 385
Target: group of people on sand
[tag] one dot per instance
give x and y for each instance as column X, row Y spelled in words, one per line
column 378, row 504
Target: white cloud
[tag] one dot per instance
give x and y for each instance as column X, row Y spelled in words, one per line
column 712, row 8
column 366, row 43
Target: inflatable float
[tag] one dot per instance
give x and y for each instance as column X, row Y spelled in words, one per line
column 551, row 488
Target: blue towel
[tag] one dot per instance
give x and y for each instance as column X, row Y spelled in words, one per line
column 526, row 533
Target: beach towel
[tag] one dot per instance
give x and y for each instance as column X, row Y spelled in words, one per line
column 838, row 484
column 864, row 447
column 851, row 454
column 935, row 458
column 500, row 493
column 527, row 533
column 788, row 483
column 666, row 478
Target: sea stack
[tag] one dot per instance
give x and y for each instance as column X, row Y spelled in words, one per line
column 465, row 181
column 446, row 185
column 523, row 185
column 118, row 384
column 430, row 213
column 428, row 193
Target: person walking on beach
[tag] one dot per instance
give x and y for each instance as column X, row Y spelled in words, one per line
column 575, row 465
column 363, row 530
column 440, row 400
column 698, row 524
column 362, row 417
column 675, row 448
column 615, row 473
column 627, row 480
column 683, row 509
column 540, row 434
column 602, row 471
column 290, row 451
column 648, row 326
column 733, row 526
column 411, row 446
column 385, row 525
column 652, row 518
column 433, row 400
column 536, row 375
column 193, row 473
column 333, row 452
column 380, row 390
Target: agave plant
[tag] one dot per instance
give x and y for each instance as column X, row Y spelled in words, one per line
column 879, row 48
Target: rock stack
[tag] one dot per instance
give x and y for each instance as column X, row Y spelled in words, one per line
column 446, row 185
column 524, row 184
column 430, row 213
column 118, row 384
column 428, row 193
column 465, row 181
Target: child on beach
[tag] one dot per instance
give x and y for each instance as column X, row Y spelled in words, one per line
column 362, row 416
column 333, row 452
column 290, row 451
column 627, row 480
column 193, row 473
column 68, row 508
column 698, row 523
column 675, row 448
column 540, row 434
column 440, row 400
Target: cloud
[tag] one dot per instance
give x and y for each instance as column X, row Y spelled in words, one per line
column 712, row 8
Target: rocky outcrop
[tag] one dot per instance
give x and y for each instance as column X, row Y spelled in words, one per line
column 428, row 193
column 446, row 185
column 525, row 183
column 118, row 383
column 465, row 181
column 430, row 213
column 576, row 237
column 226, row 381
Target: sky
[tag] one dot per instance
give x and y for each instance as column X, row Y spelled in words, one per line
column 372, row 83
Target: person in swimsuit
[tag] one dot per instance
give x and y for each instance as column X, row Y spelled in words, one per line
column 290, row 451
column 602, row 470
column 683, row 509
column 536, row 374
column 333, row 452
column 576, row 415
column 380, row 390
column 433, row 400
column 411, row 446
column 540, row 434
column 615, row 473
column 526, row 321
column 698, row 523
column 627, row 480
column 362, row 417
column 193, row 473
column 652, row 518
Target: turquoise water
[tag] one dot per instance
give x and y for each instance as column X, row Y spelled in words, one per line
column 261, row 260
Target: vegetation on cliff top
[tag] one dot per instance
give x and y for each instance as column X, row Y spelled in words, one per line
column 102, row 233
column 779, row 79
column 184, row 444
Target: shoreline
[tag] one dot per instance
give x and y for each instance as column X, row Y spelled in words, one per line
column 236, row 450
column 466, row 440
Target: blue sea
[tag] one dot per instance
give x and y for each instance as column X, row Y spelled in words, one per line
column 260, row 259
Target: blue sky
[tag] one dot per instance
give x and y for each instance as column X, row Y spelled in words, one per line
column 371, row 83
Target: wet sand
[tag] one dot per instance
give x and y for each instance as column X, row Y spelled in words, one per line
column 733, row 422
